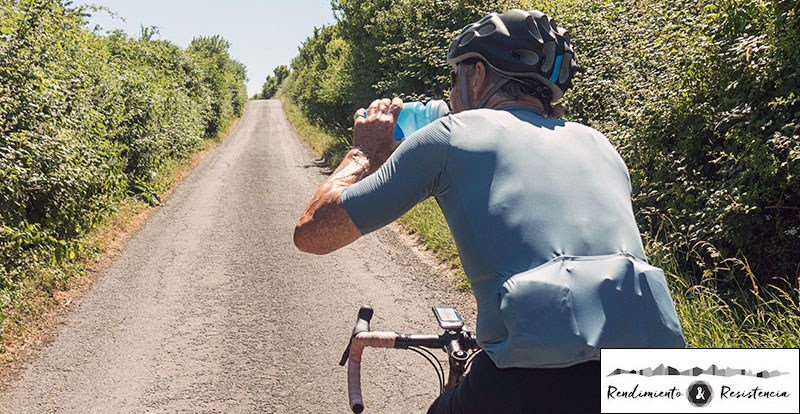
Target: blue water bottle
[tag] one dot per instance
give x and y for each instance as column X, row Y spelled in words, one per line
column 416, row 115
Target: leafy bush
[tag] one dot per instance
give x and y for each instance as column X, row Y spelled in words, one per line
column 700, row 98
column 87, row 119
column 378, row 48
column 222, row 82
column 270, row 86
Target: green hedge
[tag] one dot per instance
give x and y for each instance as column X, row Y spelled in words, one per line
column 700, row 98
column 270, row 86
column 87, row 119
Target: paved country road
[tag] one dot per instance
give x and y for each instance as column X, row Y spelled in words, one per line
column 211, row 308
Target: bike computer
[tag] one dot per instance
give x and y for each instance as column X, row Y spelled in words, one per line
column 448, row 317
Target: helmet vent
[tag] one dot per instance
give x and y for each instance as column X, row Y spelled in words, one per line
column 533, row 28
column 453, row 47
column 565, row 67
column 466, row 38
column 528, row 57
column 546, row 27
column 486, row 18
column 536, row 13
column 549, row 50
column 487, row 29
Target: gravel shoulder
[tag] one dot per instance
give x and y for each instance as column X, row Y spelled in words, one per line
column 211, row 308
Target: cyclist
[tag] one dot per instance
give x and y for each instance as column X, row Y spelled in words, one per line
column 540, row 210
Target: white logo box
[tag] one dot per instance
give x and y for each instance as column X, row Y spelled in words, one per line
column 741, row 380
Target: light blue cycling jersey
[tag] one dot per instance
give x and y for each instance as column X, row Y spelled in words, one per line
column 540, row 210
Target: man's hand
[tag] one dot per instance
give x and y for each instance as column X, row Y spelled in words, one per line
column 373, row 131
column 325, row 225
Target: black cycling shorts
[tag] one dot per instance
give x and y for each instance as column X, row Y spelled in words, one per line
column 487, row 389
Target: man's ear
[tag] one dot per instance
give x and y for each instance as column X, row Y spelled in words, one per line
column 479, row 86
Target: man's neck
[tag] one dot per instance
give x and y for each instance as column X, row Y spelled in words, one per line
column 499, row 102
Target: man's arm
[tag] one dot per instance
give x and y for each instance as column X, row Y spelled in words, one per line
column 325, row 225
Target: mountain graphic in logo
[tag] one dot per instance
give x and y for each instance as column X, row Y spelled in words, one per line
column 696, row 371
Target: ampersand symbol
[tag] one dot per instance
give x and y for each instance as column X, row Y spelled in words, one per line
column 700, row 395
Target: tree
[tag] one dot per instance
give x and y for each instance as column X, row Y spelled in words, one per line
column 272, row 83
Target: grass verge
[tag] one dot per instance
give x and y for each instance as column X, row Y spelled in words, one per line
column 734, row 316
column 759, row 317
column 330, row 145
column 26, row 314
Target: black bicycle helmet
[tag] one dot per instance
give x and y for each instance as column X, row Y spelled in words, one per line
column 519, row 44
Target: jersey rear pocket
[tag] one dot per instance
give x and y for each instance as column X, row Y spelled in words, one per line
column 566, row 310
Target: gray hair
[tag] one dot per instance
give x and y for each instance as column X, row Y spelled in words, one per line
column 520, row 89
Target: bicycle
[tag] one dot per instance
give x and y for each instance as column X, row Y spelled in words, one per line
column 460, row 345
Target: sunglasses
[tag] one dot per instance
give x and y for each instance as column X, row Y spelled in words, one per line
column 454, row 71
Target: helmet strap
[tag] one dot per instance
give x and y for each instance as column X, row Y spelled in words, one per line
column 496, row 87
column 465, row 98
column 464, row 95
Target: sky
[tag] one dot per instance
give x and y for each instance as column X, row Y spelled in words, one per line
column 263, row 34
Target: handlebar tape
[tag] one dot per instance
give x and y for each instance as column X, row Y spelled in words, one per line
column 362, row 325
column 357, row 344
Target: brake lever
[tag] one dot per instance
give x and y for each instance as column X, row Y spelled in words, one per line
column 362, row 325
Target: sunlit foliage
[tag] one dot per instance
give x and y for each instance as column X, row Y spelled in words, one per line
column 700, row 97
column 88, row 119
